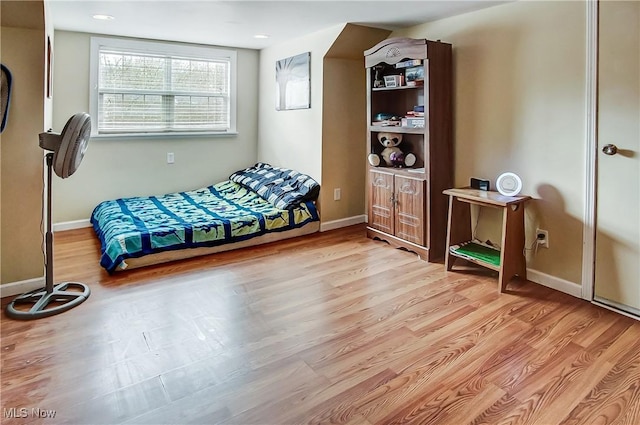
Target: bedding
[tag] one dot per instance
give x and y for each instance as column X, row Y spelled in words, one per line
column 283, row 187
column 223, row 213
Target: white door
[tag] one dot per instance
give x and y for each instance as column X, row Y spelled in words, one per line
column 617, row 263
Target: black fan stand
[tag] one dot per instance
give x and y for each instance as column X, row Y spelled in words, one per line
column 50, row 300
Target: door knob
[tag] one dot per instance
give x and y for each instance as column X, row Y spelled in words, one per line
column 610, row 149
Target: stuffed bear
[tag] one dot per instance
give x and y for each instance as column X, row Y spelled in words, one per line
column 392, row 155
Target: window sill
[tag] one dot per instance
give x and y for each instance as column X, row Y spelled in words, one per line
column 168, row 135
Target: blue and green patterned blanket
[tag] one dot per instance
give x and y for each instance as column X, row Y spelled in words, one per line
column 223, row 213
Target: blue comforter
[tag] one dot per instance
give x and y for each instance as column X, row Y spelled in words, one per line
column 222, row 213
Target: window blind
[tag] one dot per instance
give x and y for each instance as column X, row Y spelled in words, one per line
column 149, row 93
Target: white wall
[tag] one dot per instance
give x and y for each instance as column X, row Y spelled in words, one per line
column 327, row 141
column 519, row 82
column 293, row 139
column 138, row 167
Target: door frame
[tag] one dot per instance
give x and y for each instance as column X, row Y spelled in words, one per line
column 591, row 95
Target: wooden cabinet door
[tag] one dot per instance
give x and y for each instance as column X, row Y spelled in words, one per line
column 409, row 220
column 381, row 201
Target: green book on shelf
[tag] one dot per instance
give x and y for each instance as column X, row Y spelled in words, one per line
column 478, row 252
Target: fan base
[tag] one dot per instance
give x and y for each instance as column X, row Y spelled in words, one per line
column 40, row 303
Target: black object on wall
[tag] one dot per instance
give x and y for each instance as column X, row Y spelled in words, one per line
column 5, row 95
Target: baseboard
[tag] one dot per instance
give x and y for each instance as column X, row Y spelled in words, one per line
column 554, row 283
column 343, row 222
column 70, row 225
column 16, row 288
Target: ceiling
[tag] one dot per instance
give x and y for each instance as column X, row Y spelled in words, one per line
column 234, row 23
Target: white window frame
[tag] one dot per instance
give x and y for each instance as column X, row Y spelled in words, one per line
column 163, row 48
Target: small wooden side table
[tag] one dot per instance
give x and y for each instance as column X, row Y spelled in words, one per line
column 512, row 259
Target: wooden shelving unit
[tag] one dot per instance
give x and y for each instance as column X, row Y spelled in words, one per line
column 407, row 208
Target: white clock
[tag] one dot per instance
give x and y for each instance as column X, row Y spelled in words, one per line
column 508, row 184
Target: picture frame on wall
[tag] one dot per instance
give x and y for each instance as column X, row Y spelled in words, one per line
column 293, row 82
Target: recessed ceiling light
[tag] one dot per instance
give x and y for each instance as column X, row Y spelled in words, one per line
column 103, row 17
column 261, row 36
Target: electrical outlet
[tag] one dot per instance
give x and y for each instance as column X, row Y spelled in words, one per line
column 542, row 236
column 170, row 158
column 336, row 194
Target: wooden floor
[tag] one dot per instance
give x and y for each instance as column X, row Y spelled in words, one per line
column 330, row 328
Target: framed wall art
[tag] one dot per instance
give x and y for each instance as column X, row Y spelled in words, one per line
column 293, row 82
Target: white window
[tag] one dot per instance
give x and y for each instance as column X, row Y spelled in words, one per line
column 151, row 88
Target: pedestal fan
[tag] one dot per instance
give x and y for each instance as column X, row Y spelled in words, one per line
column 66, row 151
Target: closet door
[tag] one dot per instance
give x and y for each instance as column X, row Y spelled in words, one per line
column 617, row 266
